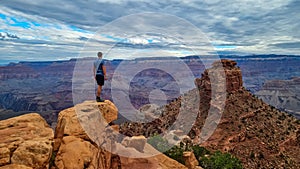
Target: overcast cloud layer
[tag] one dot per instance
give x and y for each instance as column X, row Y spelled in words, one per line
column 53, row 30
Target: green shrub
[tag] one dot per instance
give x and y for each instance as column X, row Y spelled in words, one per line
column 176, row 153
column 220, row 160
column 159, row 143
column 217, row 160
column 199, row 151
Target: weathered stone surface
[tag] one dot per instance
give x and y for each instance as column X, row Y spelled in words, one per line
column 198, row 167
column 137, row 142
column 156, row 162
column 33, row 153
column 78, row 148
column 4, row 156
column 190, row 160
column 165, row 162
column 15, row 166
column 108, row 110
column 79, row 132
column 26, row 140
column 75, row 153
column 85, row 120
column 150, row 158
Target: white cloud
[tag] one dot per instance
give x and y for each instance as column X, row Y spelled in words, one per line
column 254, row 26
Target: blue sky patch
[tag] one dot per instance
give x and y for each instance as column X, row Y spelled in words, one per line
column 74, row 28
column 2, row 16
column 18, row 23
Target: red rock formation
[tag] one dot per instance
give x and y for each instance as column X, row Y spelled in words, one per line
column 233, row 76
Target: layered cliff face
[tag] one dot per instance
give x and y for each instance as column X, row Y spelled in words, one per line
column 43, row 87
column 282, row 94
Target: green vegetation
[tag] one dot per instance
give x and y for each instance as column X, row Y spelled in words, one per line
column 217, row 160
column 176, row 153
column 159, row 143
column 220, row 160
column 206, row 159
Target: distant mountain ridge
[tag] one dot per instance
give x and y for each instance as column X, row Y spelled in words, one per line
column 283, row 94
column 38, row 86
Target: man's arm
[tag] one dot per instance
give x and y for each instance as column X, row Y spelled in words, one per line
column 94, row 71
column 104, row 71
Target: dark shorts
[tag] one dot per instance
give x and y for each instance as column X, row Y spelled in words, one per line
column 100, row 80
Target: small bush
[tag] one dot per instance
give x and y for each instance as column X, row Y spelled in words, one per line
column 217, row 160
column 176, row 153
column 200, row 151
column 220, row 161
column 159, row 143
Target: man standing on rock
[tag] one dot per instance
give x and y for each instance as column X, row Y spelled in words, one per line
column 100, row 75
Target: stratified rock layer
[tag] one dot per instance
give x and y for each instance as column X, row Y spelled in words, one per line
column 282, row 94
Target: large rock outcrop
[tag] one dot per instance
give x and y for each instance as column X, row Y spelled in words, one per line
column 233, row 76
column 75, row 146
column 83, row 139
column 26, row 142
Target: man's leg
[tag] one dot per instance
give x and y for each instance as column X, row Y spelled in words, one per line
column 98, row 99
column 100, row 82
column 99, row 90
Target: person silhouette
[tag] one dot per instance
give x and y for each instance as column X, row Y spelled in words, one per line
column 99, row 70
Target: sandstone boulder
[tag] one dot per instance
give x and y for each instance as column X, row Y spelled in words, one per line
column 34, row 153
column 79, row 133
column 15, row 166
column 25, row 140
column 190, row 160
column 137, row 142
column 156, row 162
column 86, row 120
column 75, row 153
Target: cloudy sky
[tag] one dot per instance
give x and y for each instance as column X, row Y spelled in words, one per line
column 59, row 30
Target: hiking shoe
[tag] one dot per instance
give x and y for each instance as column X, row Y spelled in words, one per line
column 98, row 99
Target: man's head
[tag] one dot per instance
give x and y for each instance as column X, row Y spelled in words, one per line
column 99, row 54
